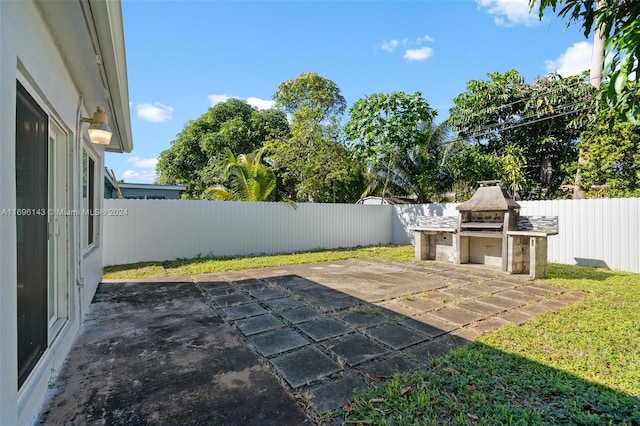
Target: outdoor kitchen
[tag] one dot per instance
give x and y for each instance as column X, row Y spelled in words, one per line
column 487, row 231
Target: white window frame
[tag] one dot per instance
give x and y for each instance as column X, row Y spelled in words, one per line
column 89, row 207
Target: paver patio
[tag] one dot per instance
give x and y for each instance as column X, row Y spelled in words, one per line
column 258, row 346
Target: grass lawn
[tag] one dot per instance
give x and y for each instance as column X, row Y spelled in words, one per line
column 578, row 365
column 203, row 265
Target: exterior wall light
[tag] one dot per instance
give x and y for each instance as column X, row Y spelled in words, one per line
column 99, row 131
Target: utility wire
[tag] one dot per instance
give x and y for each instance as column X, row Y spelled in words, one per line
column 495, row 109
column 526, row 120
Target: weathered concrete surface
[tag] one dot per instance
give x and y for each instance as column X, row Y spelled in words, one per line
column 156, row 353
column 251, row 347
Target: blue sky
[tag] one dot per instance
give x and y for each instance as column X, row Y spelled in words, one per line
column 183, row 56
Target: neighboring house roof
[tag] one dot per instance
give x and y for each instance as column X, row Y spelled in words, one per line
column 152, row 186
column 103, row 82
column 150, row 189
column 387, row 200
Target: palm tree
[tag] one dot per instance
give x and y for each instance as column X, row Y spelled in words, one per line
column 422, row 170
column 249, row 179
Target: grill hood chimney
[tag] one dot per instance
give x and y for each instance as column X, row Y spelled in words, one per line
column 489, row 198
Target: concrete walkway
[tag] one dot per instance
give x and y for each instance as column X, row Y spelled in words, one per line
column 276, row 346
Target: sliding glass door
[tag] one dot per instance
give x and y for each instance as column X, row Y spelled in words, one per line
column 32, row 203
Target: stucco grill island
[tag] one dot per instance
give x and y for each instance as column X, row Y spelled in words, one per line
column 489, row 231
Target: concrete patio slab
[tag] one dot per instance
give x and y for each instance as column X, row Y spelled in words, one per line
column 354, row 349
column 283, row 303
column 232, row 300
column 219, row 289
column 267, row 294
column 363, row 318
column 254, row 325
column 327, row 397
column 479, row 307
column 502, row 302
column 301, row 314
column 323, row 328
column 253, row 346
column 277, row 341
column 424, row 354
column 456, row 315
column 428, row 325
column 396, row 336
column 422, row 304
column 431, row 322
column 244, row 311
column 305, row 366
column 388, row 367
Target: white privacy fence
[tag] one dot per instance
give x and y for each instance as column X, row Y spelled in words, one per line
column 148, row 230
column 602, row 232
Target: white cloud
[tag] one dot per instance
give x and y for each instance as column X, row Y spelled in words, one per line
column 260, row 103
column 143, row 163
column 573, row 61
column 251, row 100
column 144, row 176
column 389, row 46
column 217, row 99
column 418, row 54
column 510, row 12
column 155, row 113
column 412, row 49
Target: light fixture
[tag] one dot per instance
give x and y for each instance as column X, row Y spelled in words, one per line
column 99, row 131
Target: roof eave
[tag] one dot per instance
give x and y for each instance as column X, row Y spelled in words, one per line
column 90, row 36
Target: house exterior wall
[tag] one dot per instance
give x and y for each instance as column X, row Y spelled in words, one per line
column 30, row 55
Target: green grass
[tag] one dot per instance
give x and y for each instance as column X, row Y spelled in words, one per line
column 203, row 265
column 578, row 365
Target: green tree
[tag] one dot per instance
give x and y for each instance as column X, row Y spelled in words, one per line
column 421, row 171
column 197, row 157
column 248, row 177
column 314, row 96
column 611, row 160
column 544, row 118
column 383, row 126
column 513, row 163
column 312, row 163
column 619, row 22
column 467, row 164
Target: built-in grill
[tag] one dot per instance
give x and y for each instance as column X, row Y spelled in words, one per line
column 489, row 214
column 490, row 231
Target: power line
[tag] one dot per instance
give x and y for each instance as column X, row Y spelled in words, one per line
column 495, row 109
column 500, row 127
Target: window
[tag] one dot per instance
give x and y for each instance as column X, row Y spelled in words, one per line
column 88, row 196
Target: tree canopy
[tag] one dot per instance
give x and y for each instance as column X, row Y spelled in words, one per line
column 197, row 156
column 536, row 137
column 544, row 118
column 619, row 22
column 313, row 163
column 611, row 160
column 383, row 126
